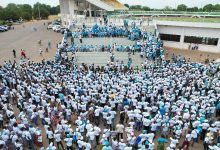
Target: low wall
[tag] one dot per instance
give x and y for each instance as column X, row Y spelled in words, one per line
column 201, row 47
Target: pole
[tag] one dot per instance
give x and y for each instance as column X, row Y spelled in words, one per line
column 39, row 11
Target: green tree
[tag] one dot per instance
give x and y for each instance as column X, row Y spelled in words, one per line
column 126, row 5
column 55, row 10
column 208, row 7
column 26, row 11
column 217, row 7
column 11, row 12
column 168, row 8
column 145, row 8
column 193, row 9
column 42, row 10
column 181, row 7
column 137, row 7
column 26, row 16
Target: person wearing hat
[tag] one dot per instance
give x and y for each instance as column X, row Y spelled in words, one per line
column 120, row 130
column 97, row 132
column 69, row 142
column 121, row 144
column 18, row 145
column 50, row 135
column 58, row 139
column 91, row 136
column 194, row 136
column 161, row 141
column 38, row 138
column 187, row 140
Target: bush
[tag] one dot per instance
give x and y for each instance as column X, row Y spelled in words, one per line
column 2, row 22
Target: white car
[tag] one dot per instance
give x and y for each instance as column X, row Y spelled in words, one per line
column 4, row 27
column 55, row 27
column 50, row 26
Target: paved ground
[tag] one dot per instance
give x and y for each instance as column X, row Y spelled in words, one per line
column 105, row 41
column 195, row 56
column 101, row 58
column 23, row 37
column 94, row 58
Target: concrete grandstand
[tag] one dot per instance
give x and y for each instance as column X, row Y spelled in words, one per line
column 72, row 9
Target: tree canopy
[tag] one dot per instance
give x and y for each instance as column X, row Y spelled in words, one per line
column 126, row 5
column 26, row 11
column 211, row 7
column 181, row 7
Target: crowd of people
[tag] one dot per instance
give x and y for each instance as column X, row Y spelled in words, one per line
column 108, row 31
column 109, row 107
column 57, row 105
column 147, row 44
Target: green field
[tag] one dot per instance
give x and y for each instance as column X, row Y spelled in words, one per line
column 207, row 20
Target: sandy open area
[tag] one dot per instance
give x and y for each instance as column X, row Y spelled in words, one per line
column 24, row 37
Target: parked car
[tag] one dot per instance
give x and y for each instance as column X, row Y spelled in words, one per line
column 50, row 26
column 7, row 26
column 61, row 30
column 4, row 27
column 2, row 30
column 56, row 27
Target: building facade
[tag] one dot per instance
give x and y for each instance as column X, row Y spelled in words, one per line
column 187, row 35
column 74, row 9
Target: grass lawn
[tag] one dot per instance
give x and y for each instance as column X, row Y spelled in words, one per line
column 207, row 20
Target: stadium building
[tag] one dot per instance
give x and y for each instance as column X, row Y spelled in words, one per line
column 187, row 35
column 72, row 9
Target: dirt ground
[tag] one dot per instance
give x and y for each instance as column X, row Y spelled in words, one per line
column 195, row 56
column 24, row 37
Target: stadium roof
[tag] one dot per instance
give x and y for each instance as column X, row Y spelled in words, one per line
column 189, row 24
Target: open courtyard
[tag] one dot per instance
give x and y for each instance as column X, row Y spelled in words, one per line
column 24, row 37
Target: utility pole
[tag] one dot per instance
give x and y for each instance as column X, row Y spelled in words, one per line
column 38, row 10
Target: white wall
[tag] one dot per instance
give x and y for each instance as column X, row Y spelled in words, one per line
column 191, row 31
column 202, row 47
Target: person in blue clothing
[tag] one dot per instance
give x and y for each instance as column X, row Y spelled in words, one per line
column 162, row 111
column 161, row 143
column 218, row 110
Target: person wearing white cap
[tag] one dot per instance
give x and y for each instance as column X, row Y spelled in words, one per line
column 97, row 132
column 80, row 143
column 187, row 140
column 69, row 142
column 58, row 139
column 50, row 135
column 120, row 130
column 121, row 144
column 91, row 136
column 194, row 136
column 51, row 147
column 88, row 146
column 173, row 142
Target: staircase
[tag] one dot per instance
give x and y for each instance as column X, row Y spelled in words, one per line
column 101, row 58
